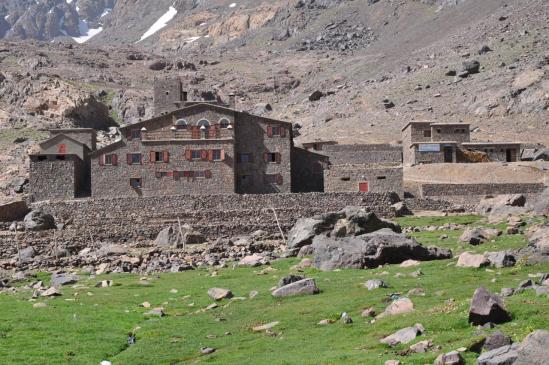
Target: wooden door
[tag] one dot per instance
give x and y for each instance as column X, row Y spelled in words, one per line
column 363, row 187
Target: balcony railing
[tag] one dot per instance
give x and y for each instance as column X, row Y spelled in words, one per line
column 184, row 134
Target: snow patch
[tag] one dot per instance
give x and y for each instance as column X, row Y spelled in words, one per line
column 160, row 23
column 232, row 5
column 86, row 32
column 106, row 12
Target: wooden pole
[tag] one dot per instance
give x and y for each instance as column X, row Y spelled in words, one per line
column 181, row 234
column 278, row 224
column 17, row 244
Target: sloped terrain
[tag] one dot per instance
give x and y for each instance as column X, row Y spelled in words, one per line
column 355, row 53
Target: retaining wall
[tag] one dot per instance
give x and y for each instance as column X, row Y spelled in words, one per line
column 472, row 193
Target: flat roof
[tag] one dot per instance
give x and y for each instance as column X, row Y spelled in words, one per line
column 488, row 143
column 437, row 142
column 414, row 122
column 452, row 124
column 72, row 130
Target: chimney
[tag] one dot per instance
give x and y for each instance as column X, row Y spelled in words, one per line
column 232, row 101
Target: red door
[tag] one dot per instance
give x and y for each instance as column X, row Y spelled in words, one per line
column 363, row 187
column 62, row 149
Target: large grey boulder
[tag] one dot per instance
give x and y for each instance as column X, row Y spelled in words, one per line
column 404, row 335
column 502, row 205
column 487, row 307
column 505, row 355
column 370, row 250
column 59, row 279
column 501, row 259
column 538, row 238
column 449, row 358
column 533, row 349
column 496, row 340
column 171, row 237
column 26, row 254
column 351, row 221
column 37, row 220
column 476, row 236
column 301, row 287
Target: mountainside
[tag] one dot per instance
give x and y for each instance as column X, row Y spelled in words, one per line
column 375, row 64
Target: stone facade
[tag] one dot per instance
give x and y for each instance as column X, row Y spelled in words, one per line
column 200, row 149
column 365, row 178
column 13, row 211
column 87, row 136
column 426, row 142
column 363, row 154
column 308, row 170
column 57, row 177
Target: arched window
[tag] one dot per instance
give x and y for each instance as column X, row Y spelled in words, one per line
column 181, row 124
column 203, row 123
column 224, row 123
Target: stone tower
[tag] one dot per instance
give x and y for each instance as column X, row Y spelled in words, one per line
column 168, row 95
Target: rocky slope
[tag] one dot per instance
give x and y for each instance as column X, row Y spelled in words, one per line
column 375, row 64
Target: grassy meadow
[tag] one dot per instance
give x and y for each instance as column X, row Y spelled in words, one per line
column 87, row 325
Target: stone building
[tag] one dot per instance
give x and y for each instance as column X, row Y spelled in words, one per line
column 61, row 167
column 426, row 142
column 200, row 148
column 375, row 168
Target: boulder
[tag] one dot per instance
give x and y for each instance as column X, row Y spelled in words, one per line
column 533, row 349
column 502, row 205
column 302, row 287
column 501, row 259
column 171, row 237
column 219, row 293
column 496, row 340
column 375, row 284
column 27, row 254
column 476, row 236
column 472, row 67
column 538, row 238
column 370, row 250
column 404, row 336
column 450, row 358
column 59, row 279
column 51, row 292
column 37, row 220
column 351, row 221
column 289, row 279
column 401, row 209
column 399, row 306
column 468, row 259
column 487, row 307
column 421, row 346
column 505, row 355
column 253, row 260
column 316, row 95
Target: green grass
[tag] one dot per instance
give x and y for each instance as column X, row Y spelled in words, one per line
column 78, row 328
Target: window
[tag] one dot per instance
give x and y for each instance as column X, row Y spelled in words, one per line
column 134, row 159
column 271, row 157
column 427, row 133
column 216, row 155
column 135, row 183
column 196, row 155
column 159, row 156
column 346, row 178
column 135, row 134
column 275, row 131
column 273, row 179
column 62, row 149
column 60, row 157
column 200, row 174
column 439, row 131
column 245, row 158
column 181, row 124
column 224, row 123
column 382, row 177
column 110, row 160
column 42, row 158
column 203, row 123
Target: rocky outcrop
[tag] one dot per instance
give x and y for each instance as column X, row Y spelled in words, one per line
column 502, row 205
column 301, row 287
column 37, row 220
column 370, row 250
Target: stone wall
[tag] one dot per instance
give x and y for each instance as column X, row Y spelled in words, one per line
column 13, row 211
column 166, row 93
column 55, row 179
column 308, row 171
column 363, row 154
column 450, row 132
column 122, row 219
column 380, row 179
column 472, row 193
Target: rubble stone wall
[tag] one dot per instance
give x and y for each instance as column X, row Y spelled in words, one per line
column 471, row 193
column 13, row 211
column 380, row 179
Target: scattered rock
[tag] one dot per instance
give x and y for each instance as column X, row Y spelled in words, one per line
column 421, row 346
column 399, row 306
column 219, row 293
column 289, row 279
column 37, row 220
column 505, row 355
column 468, row 259
column 410, row 263
column 51, row 292
column 265, row 327
column 487, row 307
column 375, row 284
column 59, row 279
column 302, row 287
column 472, row 67
column 104, row 284
column 501, row 259
column 207, row 350
column 403, row 336
column 156, row 312
column 401, row 210
column 253, row 260
column 316, row 95
column 450, row 358
column 496, row 340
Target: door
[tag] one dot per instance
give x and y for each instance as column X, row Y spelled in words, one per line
column 363, row 187
column 448, row 154
column 511, row 155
